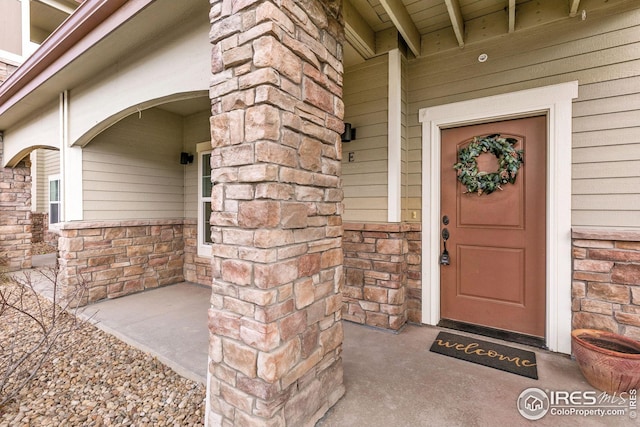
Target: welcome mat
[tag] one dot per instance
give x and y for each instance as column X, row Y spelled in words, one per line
column 509, row 359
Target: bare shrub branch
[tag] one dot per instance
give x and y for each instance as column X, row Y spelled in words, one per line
column 31, row 329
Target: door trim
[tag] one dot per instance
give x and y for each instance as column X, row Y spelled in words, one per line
column 553, row 101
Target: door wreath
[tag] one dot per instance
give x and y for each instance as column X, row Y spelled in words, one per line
column 509, row 162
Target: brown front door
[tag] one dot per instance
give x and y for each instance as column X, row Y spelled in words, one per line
column 496, row 275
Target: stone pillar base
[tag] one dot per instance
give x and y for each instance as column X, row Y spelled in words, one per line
column 382, row 274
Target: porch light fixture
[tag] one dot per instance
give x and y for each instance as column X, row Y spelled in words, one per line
column 186, row 158
column 349, row 133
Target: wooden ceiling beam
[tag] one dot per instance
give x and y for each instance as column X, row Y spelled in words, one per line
column 357, row 32
column 573, row 7
column 403, row 22
column 512, row 16
column 455, row 14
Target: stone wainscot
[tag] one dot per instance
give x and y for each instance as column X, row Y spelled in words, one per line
column 382, row 274
column 606, row 280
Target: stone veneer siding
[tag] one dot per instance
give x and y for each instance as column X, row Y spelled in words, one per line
column 116, row 258
column 275, row 318
column 6, row 70
column 606, row 280
column 15, row 216
column 197, row 269
column 40, row 230
column 382, row 274
column 39, row 226
column 414, row 273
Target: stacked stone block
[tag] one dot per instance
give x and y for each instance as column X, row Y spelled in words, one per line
column 50, row 235
column 383, row 274
column 15, row 216
column 414, row 272
column 606, row 280
column 275, row 321
column 197, row 269
column 39, row 225
column 117, row 258
column 40, row 231
column 6, row 70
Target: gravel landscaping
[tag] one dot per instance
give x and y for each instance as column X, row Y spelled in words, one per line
column 90, row 378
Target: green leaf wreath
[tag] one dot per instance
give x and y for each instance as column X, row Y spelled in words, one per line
column 509, row 161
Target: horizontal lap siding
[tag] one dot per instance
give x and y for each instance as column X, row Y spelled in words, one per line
column 366, row 108
column 603, row 54
column 51, row 162
column 606, row 153
column 196, row 130
column 42, row 192
column 51, row 167
column 132, row 170
column 47, row 163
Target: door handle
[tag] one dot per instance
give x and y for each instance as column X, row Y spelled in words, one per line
column 444, row 257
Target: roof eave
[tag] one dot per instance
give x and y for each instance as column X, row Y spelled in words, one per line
column 45, row 61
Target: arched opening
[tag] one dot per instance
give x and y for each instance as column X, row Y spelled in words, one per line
column 46, row 202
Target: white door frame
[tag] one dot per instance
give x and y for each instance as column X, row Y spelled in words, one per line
column 555, row 102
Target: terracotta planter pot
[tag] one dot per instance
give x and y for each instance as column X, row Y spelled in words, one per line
column 609, row 362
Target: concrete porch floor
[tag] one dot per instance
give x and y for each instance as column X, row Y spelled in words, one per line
column 391, row 379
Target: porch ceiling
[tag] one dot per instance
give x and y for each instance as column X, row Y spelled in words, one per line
column 187, row 107
column 46, row 16
column 432, row 26
column 373, row 27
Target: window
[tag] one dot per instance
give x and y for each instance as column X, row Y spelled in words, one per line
column 204, row 203
column 54, row 199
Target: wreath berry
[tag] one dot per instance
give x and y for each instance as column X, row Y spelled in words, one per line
column 509, row 161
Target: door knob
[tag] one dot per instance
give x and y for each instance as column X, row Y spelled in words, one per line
column 444, row 257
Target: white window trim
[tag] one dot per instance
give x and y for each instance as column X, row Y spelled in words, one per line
column 554, row 101
column 51, row 178
column 204, row 250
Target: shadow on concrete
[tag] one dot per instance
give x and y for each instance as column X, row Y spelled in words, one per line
column 391, row 379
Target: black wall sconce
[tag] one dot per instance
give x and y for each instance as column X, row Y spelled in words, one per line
column 186, row 158
column 349, row 133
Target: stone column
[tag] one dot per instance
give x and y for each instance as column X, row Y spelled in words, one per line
column 275, row 322
column 15, row 215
